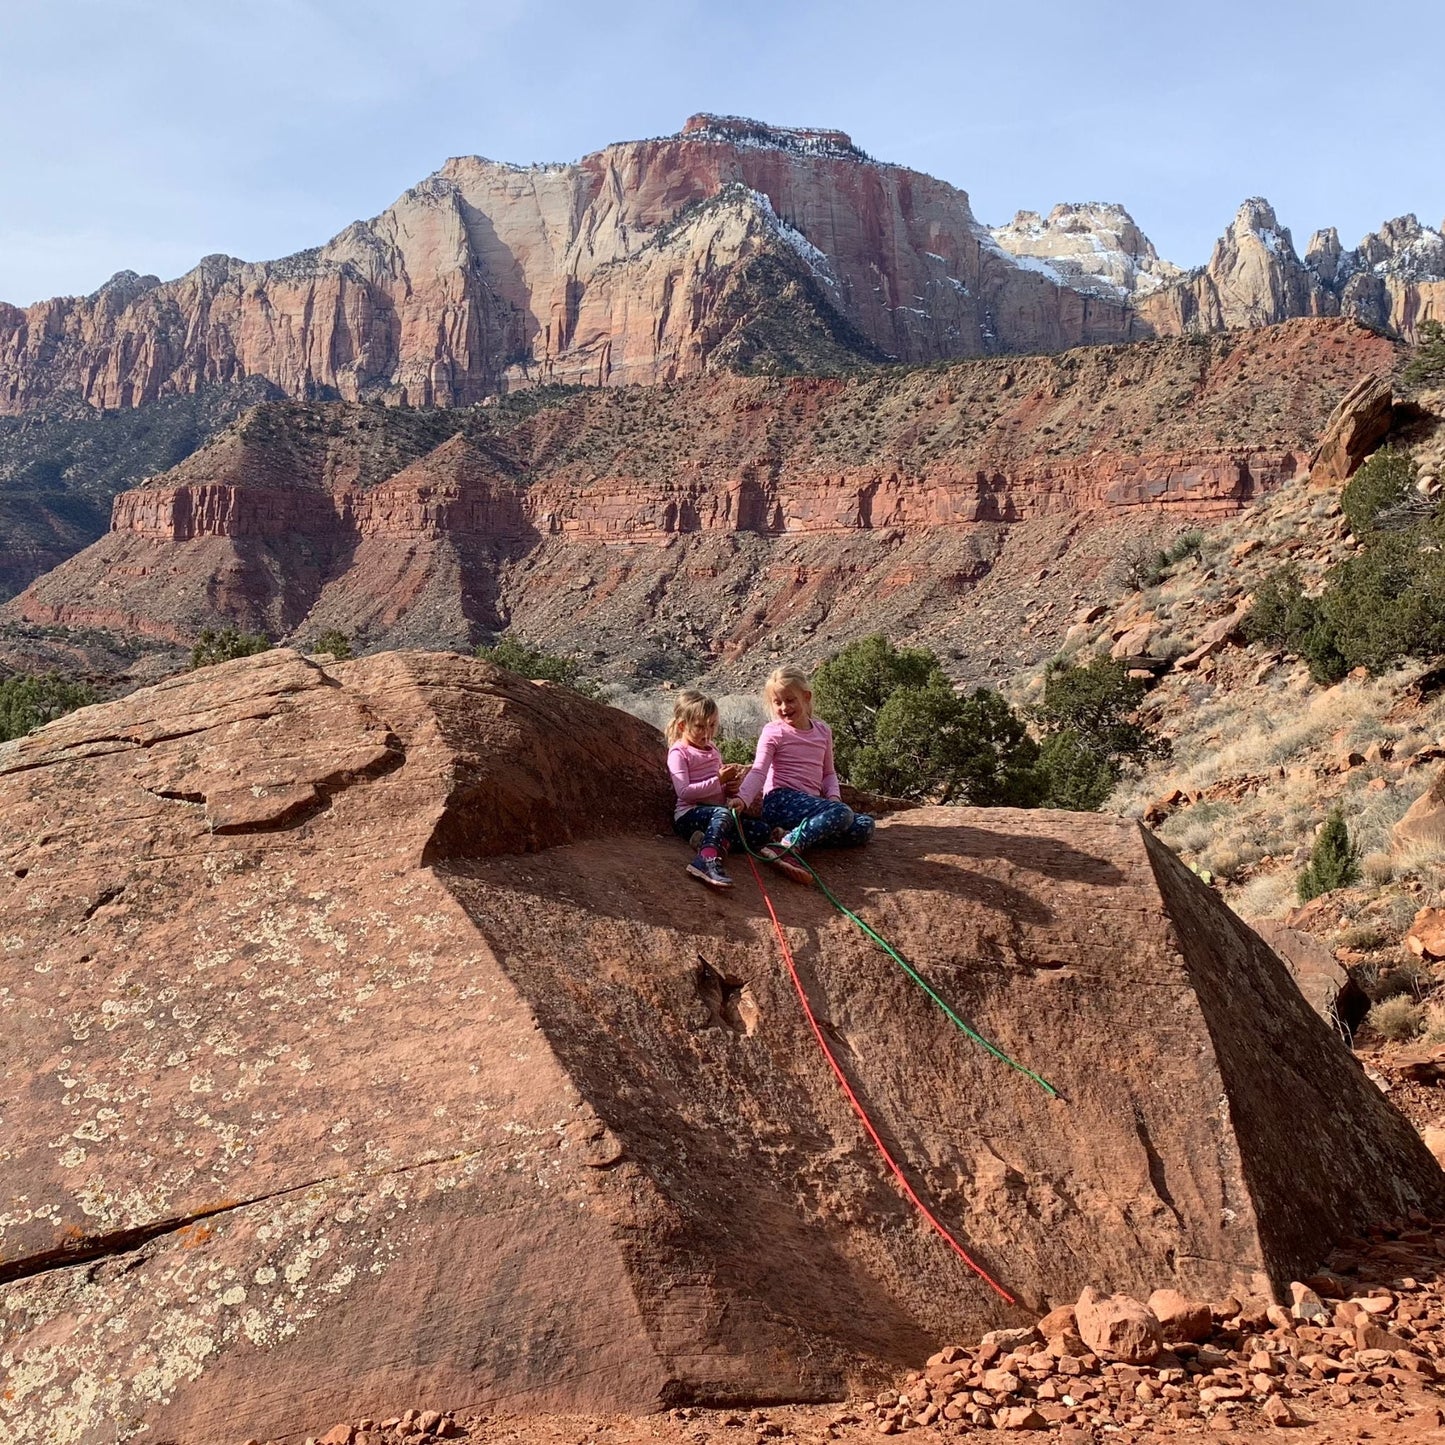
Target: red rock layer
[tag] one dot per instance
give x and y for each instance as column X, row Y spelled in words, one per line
column 280, row 526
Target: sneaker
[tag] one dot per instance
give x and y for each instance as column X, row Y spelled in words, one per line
column 695, row 841
column 790, row 865
column 710, row 871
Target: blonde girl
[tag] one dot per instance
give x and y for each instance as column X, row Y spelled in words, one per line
column 794, row 777
column 699, row 781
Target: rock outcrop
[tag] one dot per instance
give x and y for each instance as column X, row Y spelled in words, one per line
column 1254, row 278
column 1393, row 280
column 1093, row 247
column 367, row 1045
column 730, row 243
column 694, row 522
column 1358, row 424
column 1423, row 825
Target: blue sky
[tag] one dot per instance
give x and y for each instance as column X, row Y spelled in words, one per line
column 145, row 134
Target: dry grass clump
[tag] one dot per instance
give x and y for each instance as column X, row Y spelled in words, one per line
column 1399, row 912
column 1435, row 1023
column 1363, row 937
column 1266, row 895
column 1422, row 859
column 740, row 715
column 1397, row 1019
column 1410, row 980
column 1378, row 868
column 1230, row 856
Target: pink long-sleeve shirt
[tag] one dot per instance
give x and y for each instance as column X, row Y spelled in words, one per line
column 789, row 757
column 695, row 776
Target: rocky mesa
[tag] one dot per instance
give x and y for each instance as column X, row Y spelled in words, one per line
column 678, row 528
column 647, row 261
column 730, row 245
column 368, row 1045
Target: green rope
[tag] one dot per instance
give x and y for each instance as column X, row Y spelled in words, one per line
column 912, row 972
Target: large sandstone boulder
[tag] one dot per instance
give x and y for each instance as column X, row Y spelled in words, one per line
column 1424, row 820
column 1357, row 425
column 1325, row 983
column 367, row 1047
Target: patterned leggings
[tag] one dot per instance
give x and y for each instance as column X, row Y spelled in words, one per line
column 815, row 820
column 719, row 829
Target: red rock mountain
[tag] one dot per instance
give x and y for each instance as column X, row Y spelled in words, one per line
column 732, row 244
column 1393, row 280
column 645, row 262
column 367, row 1047
column 671, row 531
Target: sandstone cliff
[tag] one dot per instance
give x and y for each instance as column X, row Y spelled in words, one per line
column 61, row 466
column 627, row 266
column 1393, row 280
column 1254, row 278
column 367, row 1046
column 732, row 243
column 1092, row 247
column 673, row 531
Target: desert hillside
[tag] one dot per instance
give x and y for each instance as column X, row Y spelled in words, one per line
column 665, row 533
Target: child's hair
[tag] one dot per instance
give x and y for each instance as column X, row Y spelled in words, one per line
column 690, row 709
column 784, row 677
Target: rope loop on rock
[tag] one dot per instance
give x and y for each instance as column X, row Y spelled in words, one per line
column 857, row 1106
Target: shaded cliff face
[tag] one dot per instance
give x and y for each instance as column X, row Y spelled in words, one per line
column 676, row 530
column 61, row 467
column 620, row 268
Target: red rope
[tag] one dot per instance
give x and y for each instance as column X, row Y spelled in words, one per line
column 858, row 1108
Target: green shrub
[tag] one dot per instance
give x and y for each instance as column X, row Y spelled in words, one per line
column 1282, row 615
column 1382, row 604
column 1189, row 545
column 1090, row 735
column 226, row 645
column 1388, row 601
column 538, row 666
column 900, row 728
column 932, row 743
column 1427, row 366
column 334, row 641
column 852, row 687
column 737, row 750
column 1377, row 492
column 1073, row 775
column 1097, row 703
column 29, row 702
column 1334, row 860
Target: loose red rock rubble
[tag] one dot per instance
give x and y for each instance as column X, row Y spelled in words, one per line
column 1367, row 1332
column 1363, row 1341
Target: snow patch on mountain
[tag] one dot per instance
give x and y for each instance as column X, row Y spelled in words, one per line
column 791, row 236
column 1093, row 247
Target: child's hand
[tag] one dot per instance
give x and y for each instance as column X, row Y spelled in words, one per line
column 737, row 804
column 732, row 774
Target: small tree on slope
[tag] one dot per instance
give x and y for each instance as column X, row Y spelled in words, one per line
column 1334, row 860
